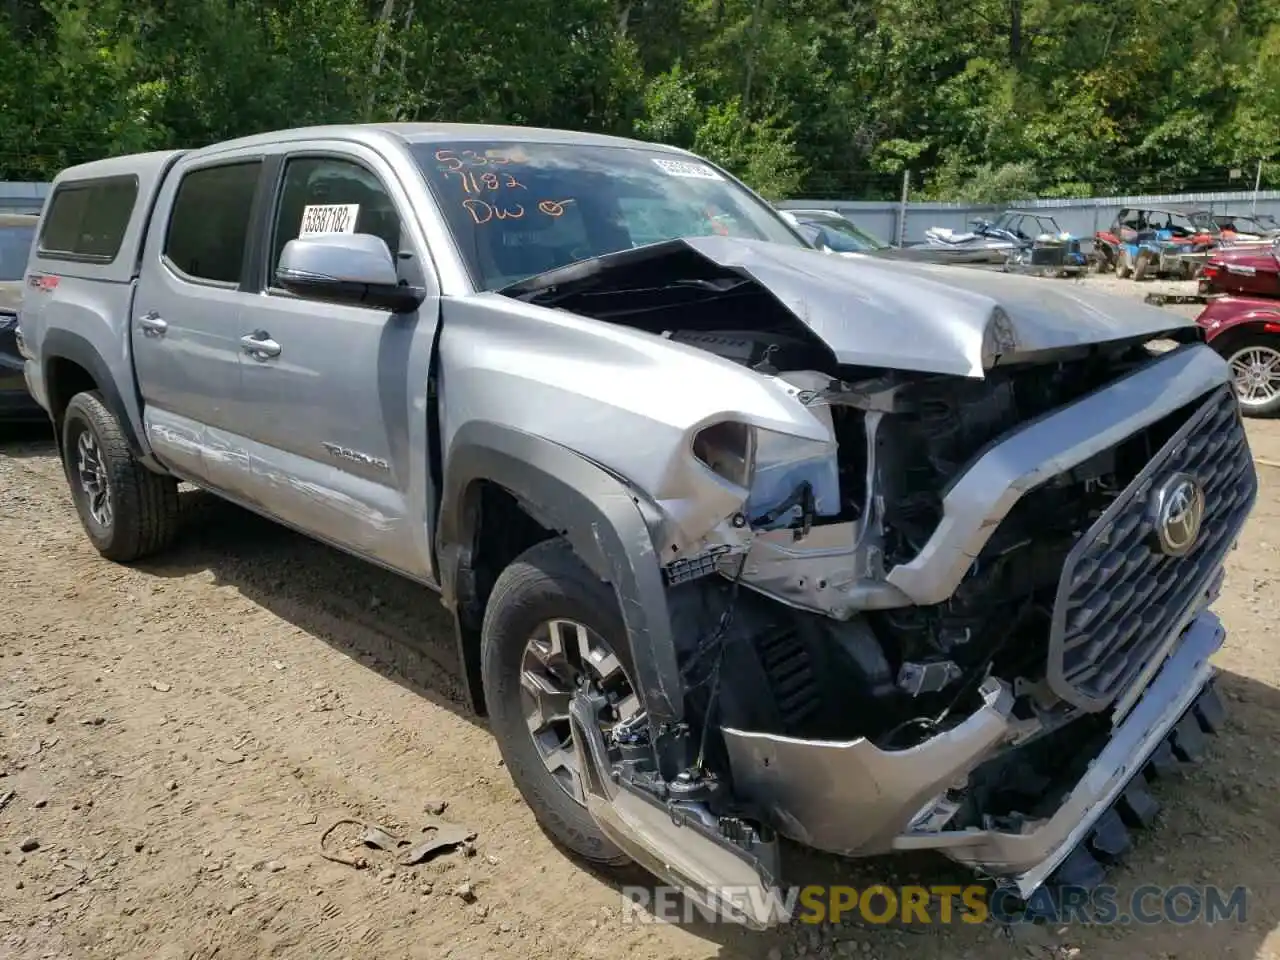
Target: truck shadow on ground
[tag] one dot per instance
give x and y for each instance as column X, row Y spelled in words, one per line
column 24, row 441
column 377, row 618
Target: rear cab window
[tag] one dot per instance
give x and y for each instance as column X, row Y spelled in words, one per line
column 86, row 220
column 210, row 222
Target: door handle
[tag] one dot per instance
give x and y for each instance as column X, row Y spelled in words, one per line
column 152, row 325
column 260, row 346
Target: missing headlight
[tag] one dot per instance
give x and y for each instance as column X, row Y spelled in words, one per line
column 794, row 480
column 727, row 449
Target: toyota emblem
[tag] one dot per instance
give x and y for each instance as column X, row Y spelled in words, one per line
column 1177, row 513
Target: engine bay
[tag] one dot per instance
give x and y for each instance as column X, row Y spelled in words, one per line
column 902, row 674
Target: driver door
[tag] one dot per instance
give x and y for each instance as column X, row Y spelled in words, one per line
column 337, row 392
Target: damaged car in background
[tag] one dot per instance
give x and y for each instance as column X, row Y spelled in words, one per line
column 742, row 542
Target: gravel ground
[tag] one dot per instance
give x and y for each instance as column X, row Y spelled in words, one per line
column 176, row 736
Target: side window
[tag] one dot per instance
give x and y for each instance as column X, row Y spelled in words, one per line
column 340, row 185
column 209, row 225
column 87, row 219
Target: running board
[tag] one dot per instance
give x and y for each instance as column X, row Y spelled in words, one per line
column 709, row 873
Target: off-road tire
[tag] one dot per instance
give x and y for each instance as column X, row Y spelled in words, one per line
column 1233, row 343
column 1123, row 267
column 1142, row 267
column 144, row 504
column 546, row 582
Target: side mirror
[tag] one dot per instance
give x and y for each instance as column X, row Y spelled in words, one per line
column 354, row 268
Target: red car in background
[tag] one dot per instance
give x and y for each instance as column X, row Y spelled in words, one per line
column 1242, row 321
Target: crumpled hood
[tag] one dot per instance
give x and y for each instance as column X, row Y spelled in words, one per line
column 896, row 314
column 930, row 317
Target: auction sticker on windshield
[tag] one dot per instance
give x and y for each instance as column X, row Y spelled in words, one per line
column 683, row 168
column 326, row 218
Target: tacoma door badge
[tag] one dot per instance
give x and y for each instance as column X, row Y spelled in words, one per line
column 1177, row 509
column 355, row 456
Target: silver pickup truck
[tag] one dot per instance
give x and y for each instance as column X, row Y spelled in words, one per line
column 742, row 542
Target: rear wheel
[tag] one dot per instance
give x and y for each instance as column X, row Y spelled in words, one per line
column 1255, row 372
column 1124, row 266
column 552, row 628
column 127, row 510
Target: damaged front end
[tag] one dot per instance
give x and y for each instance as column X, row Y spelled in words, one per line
column 963, row 610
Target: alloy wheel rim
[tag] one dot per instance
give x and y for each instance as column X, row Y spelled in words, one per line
column 561, row 658
column 92, row 475
column 1256, row 374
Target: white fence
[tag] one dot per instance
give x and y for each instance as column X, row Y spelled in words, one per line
column 1080, row 217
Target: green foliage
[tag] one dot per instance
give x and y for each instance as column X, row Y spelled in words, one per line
column 987, row 100
column 760, row 152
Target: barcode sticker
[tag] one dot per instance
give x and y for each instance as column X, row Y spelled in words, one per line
column 684, row 168
column 326, row 218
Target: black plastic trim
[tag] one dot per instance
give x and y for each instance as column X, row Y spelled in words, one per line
column 59, row 344
column 608, row 525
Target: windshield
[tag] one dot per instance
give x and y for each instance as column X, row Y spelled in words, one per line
column 519, row 209
column 843, row 237
column 1178, row 224
column 15, row 247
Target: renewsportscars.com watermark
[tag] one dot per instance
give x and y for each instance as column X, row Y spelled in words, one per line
column 940, row 904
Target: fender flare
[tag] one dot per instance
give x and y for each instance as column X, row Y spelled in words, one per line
column 609, row 525
column 1253, row 323
column 59, row 344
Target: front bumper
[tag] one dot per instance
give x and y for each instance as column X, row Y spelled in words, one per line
column 852, row 798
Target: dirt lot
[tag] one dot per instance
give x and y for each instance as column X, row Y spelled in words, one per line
column 177, row 736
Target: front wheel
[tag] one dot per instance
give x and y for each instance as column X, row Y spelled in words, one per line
column 1255, row 372
column 1143, row 266
column 128, row 511
column 1123, row 265
column 552, row 628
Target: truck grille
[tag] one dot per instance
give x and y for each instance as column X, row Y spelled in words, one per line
column 1120, row 595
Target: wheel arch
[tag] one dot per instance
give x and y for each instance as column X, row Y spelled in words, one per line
column 1267, row 324
column 608, row 525
column 71, row 364
column 1264, row 328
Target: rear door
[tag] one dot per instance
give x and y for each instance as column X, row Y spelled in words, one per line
column 187, row 318
column 335, row 403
